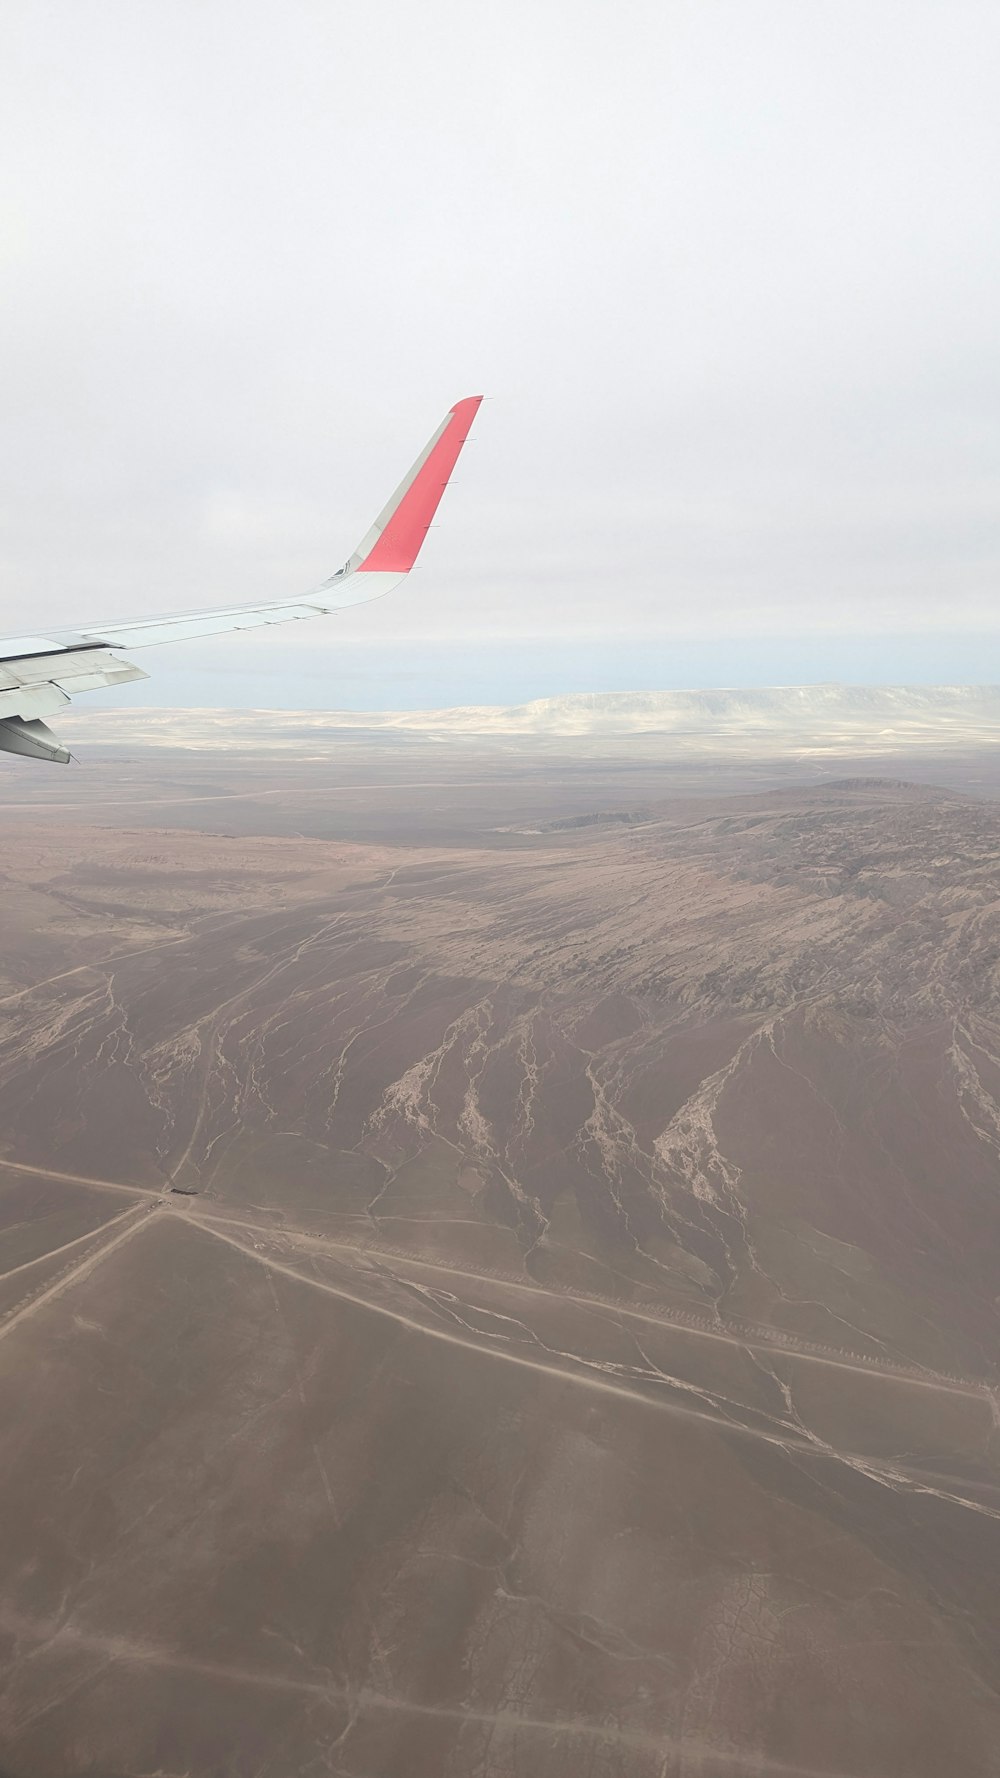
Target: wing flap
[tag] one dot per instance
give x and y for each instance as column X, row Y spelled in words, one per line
column 85, row 667
column 35, row 685
column 32, row 700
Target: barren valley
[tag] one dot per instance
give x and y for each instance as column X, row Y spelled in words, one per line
column 499, row 1267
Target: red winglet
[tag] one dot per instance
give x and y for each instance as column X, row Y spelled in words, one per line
column 396, row 549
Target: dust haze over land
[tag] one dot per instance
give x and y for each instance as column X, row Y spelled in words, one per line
column 499, row 1265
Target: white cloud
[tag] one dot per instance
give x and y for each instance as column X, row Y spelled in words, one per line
column 730, row 269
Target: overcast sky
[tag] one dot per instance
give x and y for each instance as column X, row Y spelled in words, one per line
column 729, row 271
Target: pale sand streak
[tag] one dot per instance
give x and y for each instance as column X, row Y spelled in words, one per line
column 132, row 1653
column 198, row 1211
column 883, row 1476
column 77, row 1241
column 75, row 1273
column 97, row 967
column 617, row 1390
column 897, row 1480
column 235, row 796
column 108, row 1185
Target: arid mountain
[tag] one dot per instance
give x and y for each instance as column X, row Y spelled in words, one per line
column 521, row 1302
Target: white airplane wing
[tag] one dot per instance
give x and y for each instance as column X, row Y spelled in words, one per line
column 39, row 674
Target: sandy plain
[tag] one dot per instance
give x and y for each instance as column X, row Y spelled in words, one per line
column 499, row 1268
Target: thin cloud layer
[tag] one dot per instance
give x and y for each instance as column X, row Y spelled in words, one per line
column 729, row 271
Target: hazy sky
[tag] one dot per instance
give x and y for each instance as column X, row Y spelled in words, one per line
column 728, row 269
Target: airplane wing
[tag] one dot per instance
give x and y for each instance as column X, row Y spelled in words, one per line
column 39, row 674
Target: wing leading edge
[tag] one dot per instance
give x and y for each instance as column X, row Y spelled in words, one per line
column 39, row 674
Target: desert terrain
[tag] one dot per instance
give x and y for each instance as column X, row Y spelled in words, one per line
column 500, row 1264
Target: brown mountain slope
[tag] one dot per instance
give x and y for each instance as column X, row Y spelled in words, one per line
column 504, row 1312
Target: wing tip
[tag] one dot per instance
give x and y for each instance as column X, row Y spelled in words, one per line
column 393, row 544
